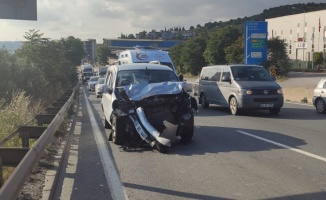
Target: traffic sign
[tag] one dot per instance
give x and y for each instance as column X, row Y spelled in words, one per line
column 255, row 42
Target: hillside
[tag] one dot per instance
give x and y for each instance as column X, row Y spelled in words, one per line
column 11, row 46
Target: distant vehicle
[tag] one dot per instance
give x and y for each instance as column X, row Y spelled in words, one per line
column 240, row 87
column 319, row 96
column 145, row 55
column 99, row 86
column 86, row 72
column 102, row 70
column 195, row 88
column 91, row 83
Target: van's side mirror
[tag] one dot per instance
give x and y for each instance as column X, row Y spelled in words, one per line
column 107, row 89
column 226, row 78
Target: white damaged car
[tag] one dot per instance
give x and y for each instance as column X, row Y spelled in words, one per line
column 146, row 103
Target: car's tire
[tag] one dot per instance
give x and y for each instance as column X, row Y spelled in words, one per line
column 233, row 105
column 274, row 111
column 187, row 131
column 203, row 101
column 107, row 124
column 118, row 130
column 320, row 106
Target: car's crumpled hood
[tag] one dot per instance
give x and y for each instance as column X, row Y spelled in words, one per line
column 138, row 92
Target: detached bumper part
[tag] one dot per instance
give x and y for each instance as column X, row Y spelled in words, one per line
column 151, row 129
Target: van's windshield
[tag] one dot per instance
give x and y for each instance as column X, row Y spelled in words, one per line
column 250, row 73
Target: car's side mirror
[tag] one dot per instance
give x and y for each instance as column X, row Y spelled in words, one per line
column 181, row 77
column 226, row 78
column 107, row 89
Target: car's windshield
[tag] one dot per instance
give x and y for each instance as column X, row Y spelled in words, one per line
column 145, row 76
column 93, row 79
column 101, row 80
column 250, row 73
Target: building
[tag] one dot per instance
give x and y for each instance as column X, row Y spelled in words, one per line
column 304, row 33
column 90, row 50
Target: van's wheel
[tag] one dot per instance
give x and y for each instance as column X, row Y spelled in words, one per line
column 107, row 124
column 234, row 106
column 118, row 130
column 203, row 101
column 274, row 111
column 320, row 106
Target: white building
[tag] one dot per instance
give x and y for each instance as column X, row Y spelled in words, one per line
column 304, row 33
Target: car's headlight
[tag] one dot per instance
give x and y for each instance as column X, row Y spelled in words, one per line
column 245, row 91
column 280, row 91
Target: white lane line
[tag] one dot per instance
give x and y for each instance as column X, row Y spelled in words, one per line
column 112, row 177
column 284, row 146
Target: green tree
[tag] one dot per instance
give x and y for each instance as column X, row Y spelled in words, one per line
column 102, row 54
column 218, row 41
column 234, row 52
column 72, row 49
column 175, row 54
column 192, row 55
column 277, row 56
column 318, row 59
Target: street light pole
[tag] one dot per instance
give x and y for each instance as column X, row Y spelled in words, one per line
column 304, row 38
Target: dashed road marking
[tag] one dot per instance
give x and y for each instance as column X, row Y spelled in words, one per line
column 284, row 146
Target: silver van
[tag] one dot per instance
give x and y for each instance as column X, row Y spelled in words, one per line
column 239, row 87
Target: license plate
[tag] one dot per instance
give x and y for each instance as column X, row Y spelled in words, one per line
column 140, row 130
column 267, row 105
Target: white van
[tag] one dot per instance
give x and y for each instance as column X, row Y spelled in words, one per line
column 240, row 87
column 145, row 55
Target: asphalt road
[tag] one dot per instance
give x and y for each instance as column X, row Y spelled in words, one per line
column 251, row 156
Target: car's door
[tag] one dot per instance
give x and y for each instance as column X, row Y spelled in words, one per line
column 323, row 91
column 107, row 95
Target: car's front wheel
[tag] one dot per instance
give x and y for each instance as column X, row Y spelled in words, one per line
column 233, row 104
column 320, row 106
column 118, row 130
column 187, row 131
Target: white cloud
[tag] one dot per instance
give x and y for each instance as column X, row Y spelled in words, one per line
column 100, row 19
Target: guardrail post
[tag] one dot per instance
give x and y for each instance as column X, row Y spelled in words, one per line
column 1, row 173
column 25, row 139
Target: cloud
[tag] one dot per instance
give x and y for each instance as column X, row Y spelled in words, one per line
column 109, row 18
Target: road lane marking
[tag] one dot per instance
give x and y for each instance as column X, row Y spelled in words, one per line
column 284, row 146
column 111, row 174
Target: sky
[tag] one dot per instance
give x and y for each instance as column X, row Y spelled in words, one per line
column 98, row 19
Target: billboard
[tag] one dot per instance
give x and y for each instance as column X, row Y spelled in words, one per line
column 255, row 49
column 18, row 9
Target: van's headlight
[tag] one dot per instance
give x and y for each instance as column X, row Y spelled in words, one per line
column 245, row 91
column 280, row 91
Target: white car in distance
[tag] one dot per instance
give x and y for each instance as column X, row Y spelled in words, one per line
column 98, row 87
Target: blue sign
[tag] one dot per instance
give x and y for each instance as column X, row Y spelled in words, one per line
column 255, row 51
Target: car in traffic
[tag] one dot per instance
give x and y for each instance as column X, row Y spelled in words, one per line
column 240, row 87
column 91, row 83
column 146, row 103
column 98, row 87
column 195, row 87
column 319, row 96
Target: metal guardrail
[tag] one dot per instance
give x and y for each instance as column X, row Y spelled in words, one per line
column 26, row 157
